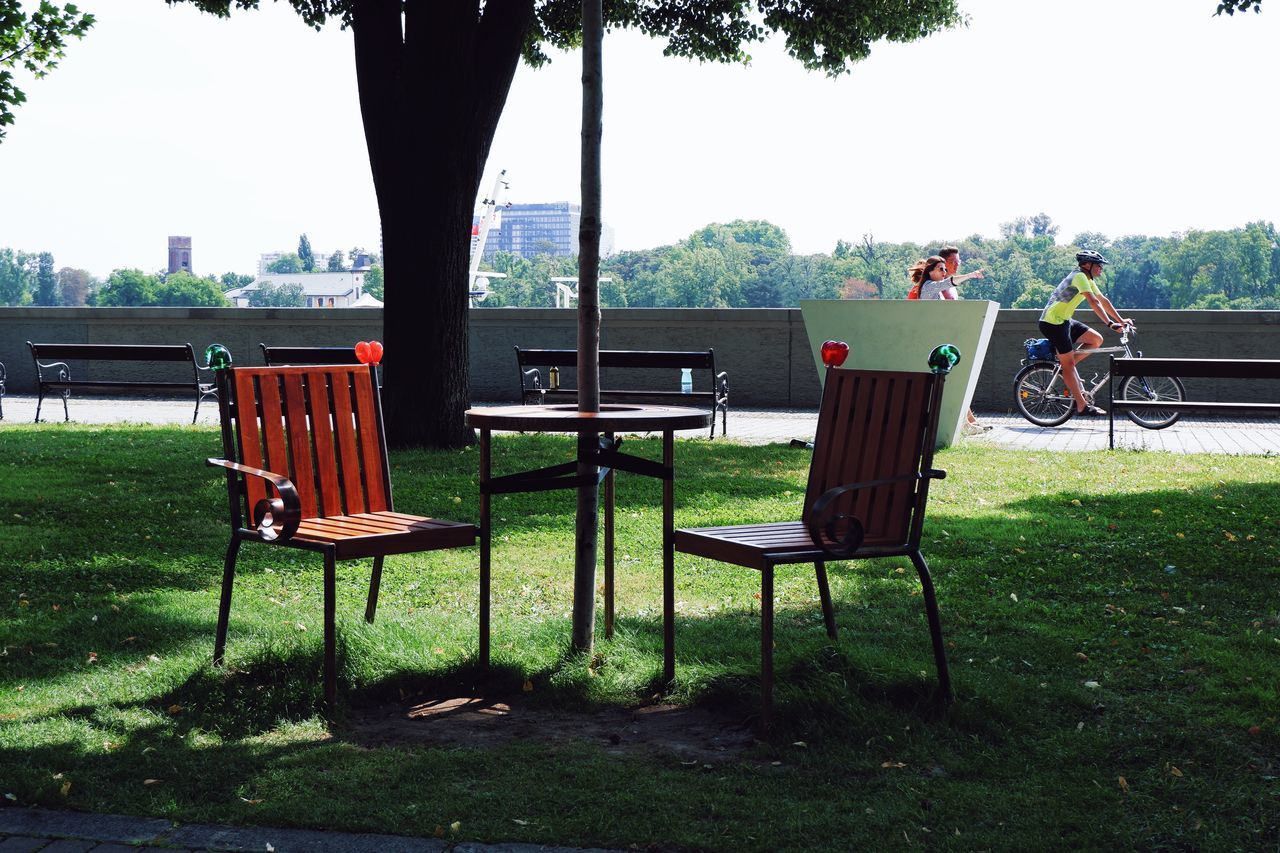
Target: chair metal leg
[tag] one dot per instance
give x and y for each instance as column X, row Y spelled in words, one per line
column 935, row 626
column 375, row 580
column 766, row 648
column 824, row 593
column 224, row 604
column 330, row 628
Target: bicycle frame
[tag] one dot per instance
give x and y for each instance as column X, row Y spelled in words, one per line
column 1090, row 389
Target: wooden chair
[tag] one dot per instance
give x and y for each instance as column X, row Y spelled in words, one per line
column 313, row 436
column 868, row 484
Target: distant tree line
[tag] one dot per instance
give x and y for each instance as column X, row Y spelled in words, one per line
column 749, row 264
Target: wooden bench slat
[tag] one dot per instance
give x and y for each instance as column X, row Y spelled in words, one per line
column 1201, row 368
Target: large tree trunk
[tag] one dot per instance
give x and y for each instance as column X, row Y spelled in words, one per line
column 431, row 93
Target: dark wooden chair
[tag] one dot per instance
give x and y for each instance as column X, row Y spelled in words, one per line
column 868, row 484
column 306, row 462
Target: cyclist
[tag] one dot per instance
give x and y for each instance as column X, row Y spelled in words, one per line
column 1057, row 324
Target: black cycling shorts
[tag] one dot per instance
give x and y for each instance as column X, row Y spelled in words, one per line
column 1063, row 336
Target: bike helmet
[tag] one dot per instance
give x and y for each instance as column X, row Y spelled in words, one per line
column 1089, row 256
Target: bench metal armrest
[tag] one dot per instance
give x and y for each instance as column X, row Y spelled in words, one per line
column 274, row 519
column 64, row 371
column 838, row 535
column 533, row 374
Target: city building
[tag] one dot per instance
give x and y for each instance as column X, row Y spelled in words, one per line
column 320, row 289
column 179, row 254
column 541, row 229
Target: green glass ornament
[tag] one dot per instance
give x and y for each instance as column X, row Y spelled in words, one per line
column 943, row 358
column 217, row 357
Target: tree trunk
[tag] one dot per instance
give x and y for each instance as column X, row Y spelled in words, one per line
column 587, row 526
column 431, row 93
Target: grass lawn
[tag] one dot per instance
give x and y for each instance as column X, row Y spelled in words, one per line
column 1113, row 621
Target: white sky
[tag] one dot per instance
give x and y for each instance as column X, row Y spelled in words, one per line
column 245, row 133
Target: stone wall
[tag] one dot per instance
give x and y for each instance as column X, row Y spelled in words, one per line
column 765, row 351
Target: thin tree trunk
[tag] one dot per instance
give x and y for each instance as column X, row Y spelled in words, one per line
column 584, row 585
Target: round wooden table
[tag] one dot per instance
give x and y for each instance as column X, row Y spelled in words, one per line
column 597, row 458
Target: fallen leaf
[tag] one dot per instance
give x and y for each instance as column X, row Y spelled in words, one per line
column 1174, row 771
column 893, row 765
column 152, row 781
column 1092, row 685
column 528, row 685
column 1081, row 656
column 455, row 826
column 66, row 788
column 1014, row 596
column 1124, row 784
column 175, row 710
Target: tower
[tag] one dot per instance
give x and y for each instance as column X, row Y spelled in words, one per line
column 179, row 254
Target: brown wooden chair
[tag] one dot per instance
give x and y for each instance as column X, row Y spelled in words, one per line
column 868, row 484
column 306, row 461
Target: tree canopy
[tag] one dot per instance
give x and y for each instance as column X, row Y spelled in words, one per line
column 33, row 42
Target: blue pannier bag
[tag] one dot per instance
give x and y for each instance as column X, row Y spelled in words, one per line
column 1038, row 349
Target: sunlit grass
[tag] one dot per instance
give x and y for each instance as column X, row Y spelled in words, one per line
column 1113, row 625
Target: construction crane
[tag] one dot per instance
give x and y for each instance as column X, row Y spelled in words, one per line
column 477, row 281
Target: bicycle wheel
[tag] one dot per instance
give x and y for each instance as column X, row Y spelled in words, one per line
column 1041, row 395
column 1153, row 389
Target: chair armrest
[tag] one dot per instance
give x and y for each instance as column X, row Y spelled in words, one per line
column 839, row 535
column 722, row 382
column 533, row 374
column 274, row 519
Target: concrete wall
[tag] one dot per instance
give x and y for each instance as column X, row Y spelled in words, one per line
column 766, row 351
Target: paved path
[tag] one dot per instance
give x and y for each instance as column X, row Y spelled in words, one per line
column 762, row 426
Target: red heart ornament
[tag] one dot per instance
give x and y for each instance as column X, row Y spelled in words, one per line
column 375, row 352
column 362, row 352
column 834, row 353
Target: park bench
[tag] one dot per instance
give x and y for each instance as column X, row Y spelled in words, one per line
column 277, row 356
column 54, row 376
column 700, row 363
column 868, row 486
column 1203, row 368
column 305, row 456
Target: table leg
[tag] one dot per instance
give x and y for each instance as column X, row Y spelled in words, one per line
column 486, row 513
column 608, row 548
column 668, row 559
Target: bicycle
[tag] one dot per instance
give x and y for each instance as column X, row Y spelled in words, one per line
column 1041, row 394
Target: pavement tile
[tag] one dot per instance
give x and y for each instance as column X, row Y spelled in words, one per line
column 21, row 844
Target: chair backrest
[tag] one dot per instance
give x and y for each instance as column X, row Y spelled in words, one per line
column 876, row 425
column 319, row 426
